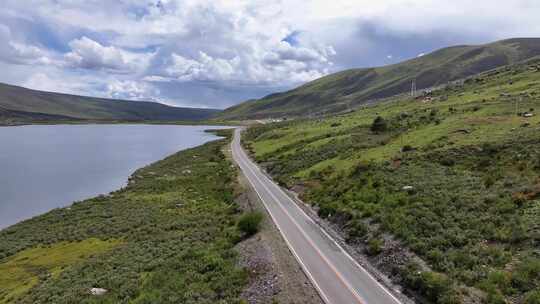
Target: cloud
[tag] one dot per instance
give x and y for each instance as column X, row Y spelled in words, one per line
column 132, row 90
column 286, row 51
column 19, row 53
column 54, row 83
column 220, row 52
column 89, row 54
column 204, row 68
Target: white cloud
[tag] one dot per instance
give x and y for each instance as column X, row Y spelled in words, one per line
column 20, row 53
column 41, row 81
column 132, row 90
column 130, row 48
column 89, row 54
column 205, row 68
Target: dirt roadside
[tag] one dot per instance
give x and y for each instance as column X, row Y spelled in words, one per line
column 275, row 275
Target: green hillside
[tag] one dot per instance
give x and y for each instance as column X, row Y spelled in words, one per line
column 452, row 177
column 19, row 104
column 344, row 90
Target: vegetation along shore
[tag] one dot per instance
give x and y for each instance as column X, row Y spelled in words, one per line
column 167, row 237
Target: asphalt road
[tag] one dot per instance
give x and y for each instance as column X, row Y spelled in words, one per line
column 334, row 273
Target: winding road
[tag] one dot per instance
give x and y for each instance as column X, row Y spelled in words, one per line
column 338, row 278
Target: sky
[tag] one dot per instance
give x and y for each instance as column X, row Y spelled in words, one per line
column 215, row 54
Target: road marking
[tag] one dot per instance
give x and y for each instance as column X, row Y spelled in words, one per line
column 340, row 247
column 311, row 220
column 310, row 241
column 304, row 267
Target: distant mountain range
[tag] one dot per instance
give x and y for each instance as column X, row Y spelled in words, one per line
column 21, row 105
column 340, row 91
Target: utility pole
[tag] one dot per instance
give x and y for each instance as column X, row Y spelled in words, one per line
column 413, row 88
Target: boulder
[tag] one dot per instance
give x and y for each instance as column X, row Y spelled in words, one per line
column 95, row 291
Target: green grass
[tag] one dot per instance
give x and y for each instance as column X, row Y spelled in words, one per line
column 472, row 215
column 22, row 271
column 176, row 221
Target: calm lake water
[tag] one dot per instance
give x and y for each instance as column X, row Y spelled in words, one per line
column 44, row 167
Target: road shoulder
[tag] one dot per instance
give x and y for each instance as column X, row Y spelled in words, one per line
column 276, row 276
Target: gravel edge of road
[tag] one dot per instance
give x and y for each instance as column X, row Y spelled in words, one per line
column 334, row 231
column 275, row 275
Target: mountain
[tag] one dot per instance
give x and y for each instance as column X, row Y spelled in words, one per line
column 440, row 192
column 18, row 104
column 337, row 92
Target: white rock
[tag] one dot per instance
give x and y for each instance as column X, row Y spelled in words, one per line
column 98, row 291
column 407, row 188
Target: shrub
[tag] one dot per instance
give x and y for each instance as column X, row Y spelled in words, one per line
column 379, row 125
column 495, row 297
column 326, row 210
column 527, row 274
column 407, row 148
column 374, row 246
column 447, row 161
column 249, row 223
column 533, row 297
column 435, row 286
column 356, row 229
column 489, row 181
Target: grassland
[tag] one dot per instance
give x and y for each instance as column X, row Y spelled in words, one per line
column 342, row 91
column 22, row 271
column 167, row 237
column 453, row 176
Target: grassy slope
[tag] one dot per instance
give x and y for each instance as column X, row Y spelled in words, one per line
column 21, row 271
column 20, row 104
column 474, row 211
column 165, row 238
column 337, row 92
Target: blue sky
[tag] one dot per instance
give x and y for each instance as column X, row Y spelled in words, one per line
column 218, row 53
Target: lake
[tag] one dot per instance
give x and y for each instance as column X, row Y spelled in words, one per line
column 44, row 167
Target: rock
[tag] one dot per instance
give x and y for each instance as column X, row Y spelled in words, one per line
column 187, row 171
column 528, row 115
column 95, row 291
column 464, row 131
column 407, row 188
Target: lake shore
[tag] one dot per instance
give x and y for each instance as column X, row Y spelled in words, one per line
column 170, row 229
column 60, row 164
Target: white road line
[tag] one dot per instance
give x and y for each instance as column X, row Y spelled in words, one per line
column 342, row 249
column 310, row 241
column 307, row 237
column 304, row 267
